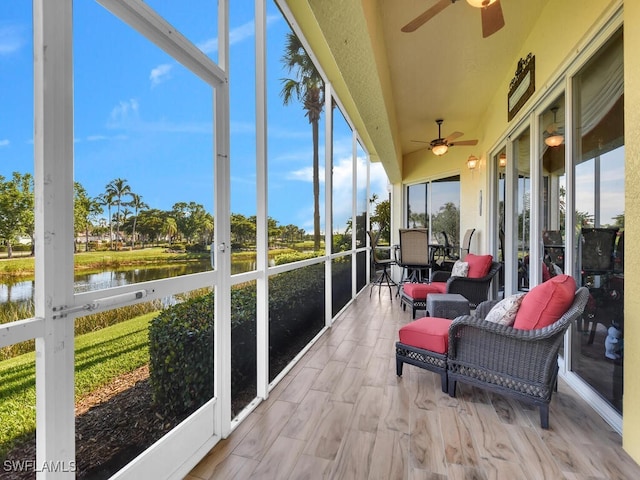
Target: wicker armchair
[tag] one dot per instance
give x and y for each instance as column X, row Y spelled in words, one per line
column 476, row 290
column 519, row 363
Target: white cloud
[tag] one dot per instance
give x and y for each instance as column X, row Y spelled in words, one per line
column 236, row 35
column 303, row 175
column 124, row 114
column 96, row 138
column 209, row 46
column 11, row 39
column 379, row 183
column 160, row 74
column 4, row 142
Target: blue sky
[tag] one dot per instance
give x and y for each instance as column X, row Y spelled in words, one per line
column 141, row 116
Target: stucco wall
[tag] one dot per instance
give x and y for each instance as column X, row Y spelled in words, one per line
column 631, row 398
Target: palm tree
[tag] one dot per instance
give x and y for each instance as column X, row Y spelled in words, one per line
column 117, row 189
column 137, row 204
column 307, row 87
column 106, row 199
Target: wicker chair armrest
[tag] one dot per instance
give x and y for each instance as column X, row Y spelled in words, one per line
column 524, row 354
column 484, row 308
column 481, row 340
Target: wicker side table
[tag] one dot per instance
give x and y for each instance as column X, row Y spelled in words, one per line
column 447, row 305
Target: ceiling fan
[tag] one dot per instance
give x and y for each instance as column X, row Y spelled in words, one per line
column 440, row 146
column 491, row 13
column 554, row 133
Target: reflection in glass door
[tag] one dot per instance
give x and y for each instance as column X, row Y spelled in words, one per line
column 500, row 161
column 553, row 191
column 597, row 351
column 522, row 210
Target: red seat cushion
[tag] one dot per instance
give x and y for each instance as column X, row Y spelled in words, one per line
column 419, row 291
column 546, row 303
column 428, row 333
column 479, row 265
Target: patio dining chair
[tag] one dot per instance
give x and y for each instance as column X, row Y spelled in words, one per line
column 414, row 254
column 381, row 264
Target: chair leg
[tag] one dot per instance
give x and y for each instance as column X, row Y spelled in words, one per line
column 399, row 364
column 451, row 387
column 544, row 416
column 444, row 382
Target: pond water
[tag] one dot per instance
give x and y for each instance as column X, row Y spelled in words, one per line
column 15, row 294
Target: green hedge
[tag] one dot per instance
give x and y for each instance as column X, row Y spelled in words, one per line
column 181, row 355
column 181, row 337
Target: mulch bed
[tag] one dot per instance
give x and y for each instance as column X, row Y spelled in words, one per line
column 114, row 424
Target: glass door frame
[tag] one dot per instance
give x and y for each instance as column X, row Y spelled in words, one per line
column 531, row 119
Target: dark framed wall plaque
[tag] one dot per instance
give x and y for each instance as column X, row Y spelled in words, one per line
column 522, row 86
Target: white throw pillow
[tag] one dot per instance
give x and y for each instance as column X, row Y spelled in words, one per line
column 460, row 269
column 504, row 312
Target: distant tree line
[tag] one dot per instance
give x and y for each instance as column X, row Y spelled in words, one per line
column 129, row 221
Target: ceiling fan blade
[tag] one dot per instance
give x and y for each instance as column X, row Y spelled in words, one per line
column 464, row 142
column 426, row 16
column 453, row 136
column 492, row 19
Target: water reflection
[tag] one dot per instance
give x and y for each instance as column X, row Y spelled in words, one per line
column 21, row 293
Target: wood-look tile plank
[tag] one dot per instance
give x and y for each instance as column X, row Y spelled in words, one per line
column 299, row 385
column 329, row 434
column 461, row 472
column 348, row 385
column 343, row 413
column 376, row 372
column 367, row 409
column 234, row 467
column 353, row 459
column 344, row 352
column 459, row 445
column 329, row 376
column 360, row 357
column 303, row 421
column 309, row 466
column 533, row 451
column 279, row 460
column 496, row 469
column 321, row 356
column 615, row 464
column 395, row 408
column 224, row 448
column 390, row 456
column 569, row 456
column 491, row 437
column 265, row 431
column 426, row 450
column 420, row 474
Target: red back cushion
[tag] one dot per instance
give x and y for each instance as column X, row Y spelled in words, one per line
column 479, row 265
column 546, row 303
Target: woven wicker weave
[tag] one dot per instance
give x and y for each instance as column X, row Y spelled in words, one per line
column 519, row 363
column 419, row 357
column 476, row 290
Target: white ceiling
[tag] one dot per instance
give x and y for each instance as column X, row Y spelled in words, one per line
column 400, row 83
column 445, row 69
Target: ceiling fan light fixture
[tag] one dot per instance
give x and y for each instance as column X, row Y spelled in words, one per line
column 472, row 162
column 480, row 3
column 554, row 140
column 440, row 149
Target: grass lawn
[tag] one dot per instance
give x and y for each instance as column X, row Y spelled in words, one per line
column 99, row 358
